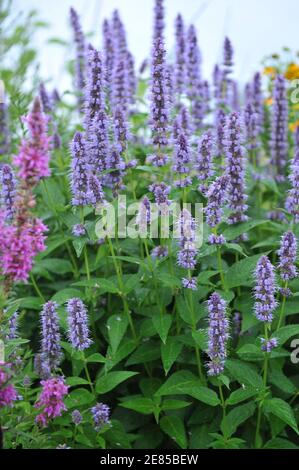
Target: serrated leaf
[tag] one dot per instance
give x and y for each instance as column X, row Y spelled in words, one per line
column 65, row 294
column 79, row 397
column 241, row 273
column 162, row 324
column 96, row 357
column 111, row 380
column 286, row 332
column 240, row 395
column 169, row 353
column 244, row 373
column 174, row 427
column 72, row 381
column 105, row 285
column 142, row 405
column 147, row 352
column 282, row 410
column 117, row 326
column 236, row 417
column 235, row 231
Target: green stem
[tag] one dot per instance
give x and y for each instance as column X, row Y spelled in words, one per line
column 36, row 288
column 88, row 375
column 121, row 288
column 283, row 303
column 222, row 399
column 265, row 374
column 219, row 261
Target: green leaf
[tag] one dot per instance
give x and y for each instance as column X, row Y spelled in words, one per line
column 236, row 417
column 65, row 294
column 240, row 395
column 244, row 373
column 112, row 379
column 235, row 231
column 105, row 285
column 286, row 332
column 185, row 383
column 282, row 410
column 280, row 443
column 117, row 326
column 162, row 324
column 281, row 381
column 168, row 280
column 72, row 381
column 55, row 265
column 96, row 357
column 142, row 405
column 147, row 352
column 174, row 404
column 201, row 338
column 173, row 426
column 250, row 352
column 79, row 397
column 169, row 353
column 241, row 273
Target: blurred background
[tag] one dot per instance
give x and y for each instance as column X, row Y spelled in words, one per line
column 257, row 28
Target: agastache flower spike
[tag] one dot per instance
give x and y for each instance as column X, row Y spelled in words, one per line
column 203, row 159
column 95, row 84
column 292, row 201
column 258, row 100
column 13, row 326
column 97, row 145
column 78, row 330
column 33, row 158
column 180, row 56
column 264, row 291
column 120, row 94
column 4, row 132
column 287, row 256
column 182, row 159
column 51, row 400
column 8, row 190
column 235, row 153
column 267, row 345
column 109, row 53
column 252, row 127
column 218, row 334
column 220, row 123
column 279, row 128
column 45, row 99
column 159, row 23
column 159, row 103
column 80, row 53
column 121, row 128
column 79, row 171
column 216, row 196
column 186, row 257
column 51, row 349
column 101, row 414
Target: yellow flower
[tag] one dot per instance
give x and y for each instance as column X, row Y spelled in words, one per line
column 292, row 72
column 269, row 71
column 293, row 125
column 268, row 101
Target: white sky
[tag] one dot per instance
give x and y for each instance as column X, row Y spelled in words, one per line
column 256, row 28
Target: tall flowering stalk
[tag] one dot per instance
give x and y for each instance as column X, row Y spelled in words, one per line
column 265, row 290
column 109, row 52
column 251, row 121
column 203, row 160
column 220, row 123
column 180, row 56
column 182, row 159
column 218, row 333
column 235, row 161
column 78, row 329
column 279, row 129
column 51, row 399
column 292, row 200
column 95, row 84
column 159, row 104
column 79, row 171
column 8, row 393
column 34, row 155
column 51, row 349
column 80, row 61
column 159, row 22
column 287, row 257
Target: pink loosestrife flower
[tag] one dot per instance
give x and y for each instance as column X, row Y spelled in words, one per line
column 33, row 158
column 19, row 245
column 51, row 400
column 8, row 393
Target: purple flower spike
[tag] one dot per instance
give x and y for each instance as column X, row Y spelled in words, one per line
column 182, row 158
column 228, row 54
column 8, row 190
column 267, row 345
column 287, row 256
column 279, row 129
column 159, row 23
column 159, row 100
column 216, row 195
column 235, row 153
column 109, row 53
column 77, row 417
column 251, row 120
column 180, row 56
column 216, row 239
column 190, row 283
column 159, row 252
column 97, row 144
column 204, row 155
column 160, row 191
column 292, row 201
column 79, row 171
column 120, row 89
column 13, row 326
column 264, row 291
column 101, row 414
column 95, row 84
column 218, row 333
column 4, row 132
column 121, row 128
column 50, row 345
column 78, row 330
column 45, row 99
column 78, row 230
column 220, row 124
column 80, row 53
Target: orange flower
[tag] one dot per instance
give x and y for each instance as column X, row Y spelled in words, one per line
column 292, row 72
column 269, row 71
column 268, row 101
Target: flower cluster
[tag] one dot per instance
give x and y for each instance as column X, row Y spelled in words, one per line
column 78, row 330
column 218, row 333
column 101, row 414
column 264, row 291
column 51, row 400
column 287, row 256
